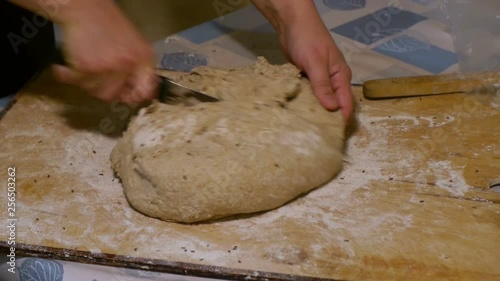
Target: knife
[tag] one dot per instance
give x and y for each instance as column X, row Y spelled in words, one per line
column 170, row 91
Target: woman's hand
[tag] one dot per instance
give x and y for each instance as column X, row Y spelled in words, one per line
column 311, row 48
column 105, row 54
column 308, row 44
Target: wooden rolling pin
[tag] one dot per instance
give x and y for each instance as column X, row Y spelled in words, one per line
column 429, row 85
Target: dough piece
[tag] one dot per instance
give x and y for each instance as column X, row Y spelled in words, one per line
column 268, row 141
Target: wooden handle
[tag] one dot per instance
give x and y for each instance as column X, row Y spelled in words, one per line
column 428, row 85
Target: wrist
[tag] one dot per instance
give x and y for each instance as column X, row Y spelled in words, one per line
column 285, row 13
column 293, row 12
column 72, row 11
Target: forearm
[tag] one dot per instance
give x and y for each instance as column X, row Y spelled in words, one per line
column 281, row 13
column 64, row 11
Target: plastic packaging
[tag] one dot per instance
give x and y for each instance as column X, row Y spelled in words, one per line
column 475, row 27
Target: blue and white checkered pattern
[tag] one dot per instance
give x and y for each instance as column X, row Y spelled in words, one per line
column 379, row 40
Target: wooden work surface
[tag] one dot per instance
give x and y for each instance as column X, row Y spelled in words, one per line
column 411, row 203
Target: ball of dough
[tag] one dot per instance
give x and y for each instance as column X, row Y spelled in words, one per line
column 266, row 142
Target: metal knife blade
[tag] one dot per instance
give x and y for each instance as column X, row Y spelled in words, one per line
column 174, row 93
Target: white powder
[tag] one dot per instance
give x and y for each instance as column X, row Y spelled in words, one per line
column 153, row 134
column 318, row 224
column 149, row 137
column 330, row 206
column 188, row 129
column 221, row 127
column 82, row 149
column 377, row 161
column 301, row 142
column 447, row 177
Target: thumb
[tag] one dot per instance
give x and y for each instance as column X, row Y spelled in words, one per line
column 145, row 84
column 65, row 74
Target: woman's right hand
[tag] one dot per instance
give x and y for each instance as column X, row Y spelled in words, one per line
column 105, row 54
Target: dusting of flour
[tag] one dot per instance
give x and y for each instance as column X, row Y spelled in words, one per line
column 330, row 207
column 320, row 225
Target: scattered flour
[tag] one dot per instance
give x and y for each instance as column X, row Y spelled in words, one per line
column 343, row 210
column 153, row 134
column 83, row 152
column 149, row 137
column 302, row 142
column 447, row 177
column 378, row 161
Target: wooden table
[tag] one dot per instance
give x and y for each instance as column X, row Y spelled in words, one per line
column 412, row 201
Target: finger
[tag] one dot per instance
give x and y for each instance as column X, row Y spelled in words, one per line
column 318, row 73
column 66, row 74
column 345, row 100
column 130, row 98
column 126, row 97
column 343, row 93
column 125, row 92
column 145, row 84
